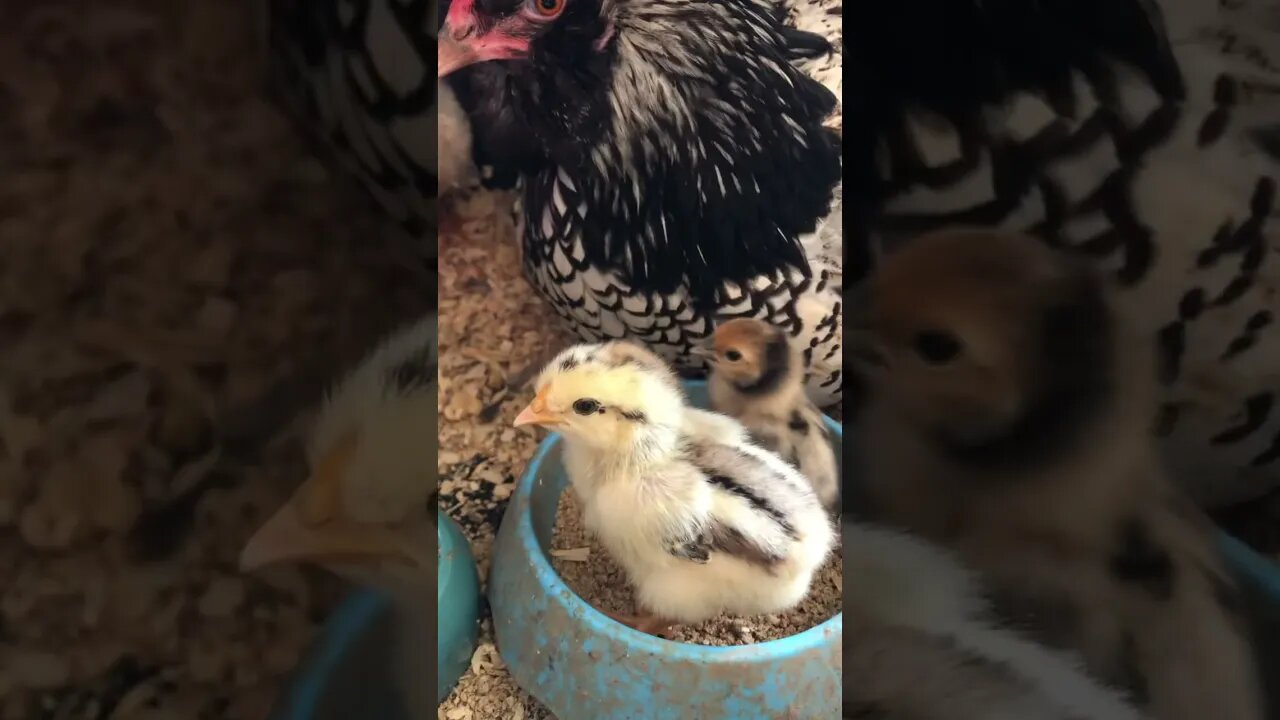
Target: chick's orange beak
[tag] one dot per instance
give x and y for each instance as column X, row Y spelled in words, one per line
column 537, row 412
column 285, row 538
column 309, row 528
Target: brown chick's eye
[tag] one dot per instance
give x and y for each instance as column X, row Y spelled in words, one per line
column 548, row 8
column 586, row 406
column 733, row 356
column 937, row 348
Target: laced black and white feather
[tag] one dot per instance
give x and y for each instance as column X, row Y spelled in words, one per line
column 1142, row 133
column 357, row 74
column 711, row 191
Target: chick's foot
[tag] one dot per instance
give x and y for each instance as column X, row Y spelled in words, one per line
column 654, row 625
column 643, row 622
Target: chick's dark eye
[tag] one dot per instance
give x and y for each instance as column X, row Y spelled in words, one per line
column 937, row 348
column 547, row 8
column 733, row 356
column 586, row 406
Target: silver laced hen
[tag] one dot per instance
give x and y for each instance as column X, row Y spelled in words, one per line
column 674, row 165
column 676, row 170
column 1145, row 134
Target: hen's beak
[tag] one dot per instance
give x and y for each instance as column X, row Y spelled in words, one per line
column 537, row 412
column 453, row 54
column 466, row 40
column 309, row 528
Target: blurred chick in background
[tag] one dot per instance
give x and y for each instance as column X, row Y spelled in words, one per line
column 366, row 513
column 1144, row 134
column 703, row 521
column 472, row 151
column 456, row 169
column 921, row 642
column 757, row 377
column 1009, row 408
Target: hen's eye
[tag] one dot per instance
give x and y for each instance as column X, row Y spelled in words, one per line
column 937, row 348
column 548, row 8
column 586, row 406
column 733, row 356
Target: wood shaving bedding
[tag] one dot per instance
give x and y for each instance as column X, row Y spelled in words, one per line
column 171, row 250
column 492, row 328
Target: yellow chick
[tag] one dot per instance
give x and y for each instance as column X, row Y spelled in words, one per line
column 366, row 512
column 757, row 376
column 1010, row 413
column 920, row 641
column 703, row 521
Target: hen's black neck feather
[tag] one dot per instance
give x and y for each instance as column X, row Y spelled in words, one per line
column 499, row 140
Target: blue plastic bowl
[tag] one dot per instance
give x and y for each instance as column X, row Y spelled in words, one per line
column 349, row 673
column 458, row 597
column 584, row 666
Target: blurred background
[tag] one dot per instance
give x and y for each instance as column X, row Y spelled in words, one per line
column 178, row 274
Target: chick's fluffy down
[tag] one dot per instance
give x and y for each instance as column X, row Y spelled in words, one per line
column 457, row 169
column 755, row 561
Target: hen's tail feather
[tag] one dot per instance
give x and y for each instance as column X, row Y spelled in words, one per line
column 1268, row 138
column 803, row 45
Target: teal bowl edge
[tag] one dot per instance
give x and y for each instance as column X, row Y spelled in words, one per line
column 458, row 606
column 1252, row 567
column 355, row 617
column 303, row 697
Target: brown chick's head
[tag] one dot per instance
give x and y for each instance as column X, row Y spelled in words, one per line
column 615, row 396
column 992, row 345
column 753, row 356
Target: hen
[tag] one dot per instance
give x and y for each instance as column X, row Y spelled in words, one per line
column 1141, row 133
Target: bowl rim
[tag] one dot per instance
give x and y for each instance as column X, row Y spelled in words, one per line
column 450, row 540
column 814, row 638
column 303, row 694
column 456, row 574
column 1248, row 563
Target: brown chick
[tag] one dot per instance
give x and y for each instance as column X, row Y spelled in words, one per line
column 757, row 377
column 1010, row 413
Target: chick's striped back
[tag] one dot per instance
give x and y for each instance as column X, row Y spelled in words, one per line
column 761, row 506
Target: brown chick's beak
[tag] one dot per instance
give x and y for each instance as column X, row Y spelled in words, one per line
column 537, row 413
column 454, row 55
column 703, row 352
column 868, row 354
